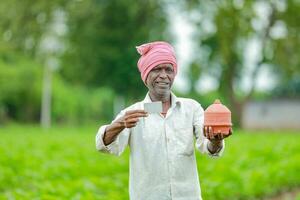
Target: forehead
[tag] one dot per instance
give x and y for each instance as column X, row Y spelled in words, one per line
column 164, row 65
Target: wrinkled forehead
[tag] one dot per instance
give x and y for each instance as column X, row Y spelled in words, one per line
column 164, row 65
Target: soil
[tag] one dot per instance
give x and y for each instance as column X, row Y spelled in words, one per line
column 288, row 195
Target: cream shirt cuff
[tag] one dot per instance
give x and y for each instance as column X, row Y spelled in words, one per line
column 100, row 146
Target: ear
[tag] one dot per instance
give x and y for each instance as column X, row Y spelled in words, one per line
column 145, row 83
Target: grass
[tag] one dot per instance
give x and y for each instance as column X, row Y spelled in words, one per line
column 62, row 163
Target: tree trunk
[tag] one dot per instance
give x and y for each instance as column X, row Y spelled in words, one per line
column 46, row 98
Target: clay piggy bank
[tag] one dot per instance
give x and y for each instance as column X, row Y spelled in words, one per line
column 218, row 117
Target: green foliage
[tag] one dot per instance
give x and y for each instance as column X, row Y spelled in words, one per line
column 20, row 95
column 59, row 164
column 291, row 89
column 254, row 165
column 23, row 23
column 20, row 90
column 80, row 105
column 286, row 50
column 102, row 39
column 62, row 163
column 225, row 29
column 234, row 24
column 205, row 100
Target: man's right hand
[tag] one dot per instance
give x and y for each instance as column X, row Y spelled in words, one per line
column 131, row 118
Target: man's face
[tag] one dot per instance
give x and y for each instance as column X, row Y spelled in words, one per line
column 160, row 79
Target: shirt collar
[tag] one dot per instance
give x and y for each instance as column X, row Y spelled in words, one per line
column 174, row 99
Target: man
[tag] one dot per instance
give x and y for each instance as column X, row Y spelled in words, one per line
column 162, row 157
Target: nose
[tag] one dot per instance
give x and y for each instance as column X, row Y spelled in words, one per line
column 163, row 74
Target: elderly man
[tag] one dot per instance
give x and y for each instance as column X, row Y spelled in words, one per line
column 162, row 157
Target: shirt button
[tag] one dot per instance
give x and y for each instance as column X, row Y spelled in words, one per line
column 168, row 139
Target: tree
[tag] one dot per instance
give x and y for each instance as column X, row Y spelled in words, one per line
column 102, row 40
column 224, row 30
column 23, row 23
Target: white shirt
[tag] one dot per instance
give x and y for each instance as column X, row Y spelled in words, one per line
column 162, row 157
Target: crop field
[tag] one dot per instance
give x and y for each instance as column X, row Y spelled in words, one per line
column 62, row 163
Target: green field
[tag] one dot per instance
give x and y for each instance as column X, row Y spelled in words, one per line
column 62, row 163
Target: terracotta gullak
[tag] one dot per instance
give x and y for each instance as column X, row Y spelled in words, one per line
column 218, row 117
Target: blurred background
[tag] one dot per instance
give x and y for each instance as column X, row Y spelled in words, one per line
column 68, row 66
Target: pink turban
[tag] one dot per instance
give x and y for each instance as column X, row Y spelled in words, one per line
column 153, row 54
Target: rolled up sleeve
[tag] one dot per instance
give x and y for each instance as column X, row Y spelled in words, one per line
column 118, row 145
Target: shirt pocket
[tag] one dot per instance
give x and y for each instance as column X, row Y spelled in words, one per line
column 184, row 140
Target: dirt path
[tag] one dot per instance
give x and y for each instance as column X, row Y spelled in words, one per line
column 289, row 195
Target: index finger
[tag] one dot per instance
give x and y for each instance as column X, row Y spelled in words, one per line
column 136, row 111
column 135, row 115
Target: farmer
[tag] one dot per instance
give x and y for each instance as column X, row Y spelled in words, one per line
column 162, row 157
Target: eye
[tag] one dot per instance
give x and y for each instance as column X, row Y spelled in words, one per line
column 169, row 70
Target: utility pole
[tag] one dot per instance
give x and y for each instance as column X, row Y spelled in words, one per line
column 51, row 47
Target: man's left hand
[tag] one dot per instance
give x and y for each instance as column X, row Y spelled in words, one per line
column 208, row 133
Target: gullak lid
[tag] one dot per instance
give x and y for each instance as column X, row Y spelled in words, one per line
column 217, row 107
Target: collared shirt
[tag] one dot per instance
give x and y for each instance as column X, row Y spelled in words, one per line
column 162, row 157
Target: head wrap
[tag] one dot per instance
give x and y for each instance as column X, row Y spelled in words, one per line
column 153, row 54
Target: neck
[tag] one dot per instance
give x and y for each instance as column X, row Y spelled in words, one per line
column 166, row 102
column 165, row 98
